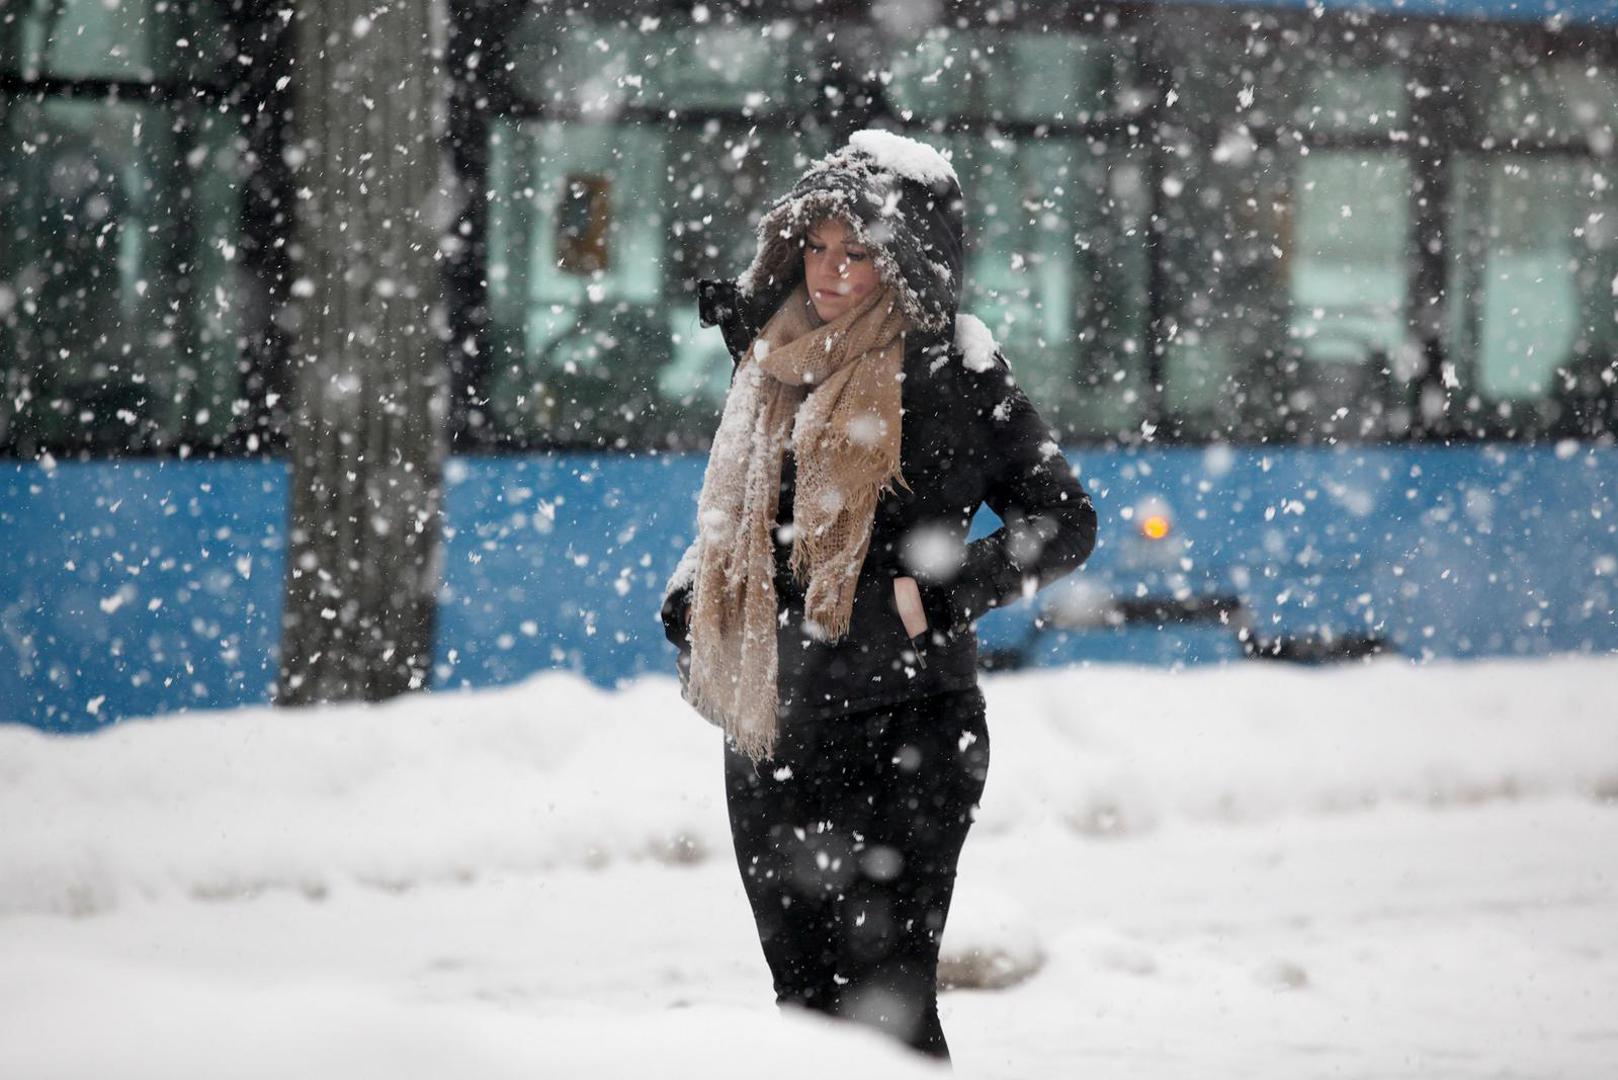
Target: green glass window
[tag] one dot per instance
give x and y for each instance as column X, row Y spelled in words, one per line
column 1056, row 221
column 1281, row 71
column 610, row 352
column 1347, row 271
column 575, row 278
column 1291, row 320
column 662, row 140
column 989, row 75
column 597, row 236
column 132, row 40
column 594, row 68
column 1532, row 242
column 1286, row 263
column 1056, row 246
column 1533, row 314
column 1340, row 98
column 1569, row 100
column 120, row 296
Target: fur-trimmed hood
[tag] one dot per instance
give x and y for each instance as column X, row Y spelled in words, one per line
column 902, row 200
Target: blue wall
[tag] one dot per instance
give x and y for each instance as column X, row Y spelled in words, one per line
column 559, row 561
column 1464, row 552
column 142, row 587
column 1586, row 12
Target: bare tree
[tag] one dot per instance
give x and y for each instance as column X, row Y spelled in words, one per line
column 366, row 430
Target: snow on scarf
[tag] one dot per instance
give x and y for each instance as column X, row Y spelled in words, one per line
column 832, row 392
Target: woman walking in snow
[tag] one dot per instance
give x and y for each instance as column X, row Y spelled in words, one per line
column 825, row 611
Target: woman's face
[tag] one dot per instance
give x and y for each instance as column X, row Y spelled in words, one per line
column 837, row 269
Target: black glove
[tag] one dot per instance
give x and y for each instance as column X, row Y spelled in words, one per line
column 676, row 616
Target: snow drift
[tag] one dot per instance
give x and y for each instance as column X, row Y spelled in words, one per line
column 554, row 772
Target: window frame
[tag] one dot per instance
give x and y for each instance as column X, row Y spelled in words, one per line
column 250, row 94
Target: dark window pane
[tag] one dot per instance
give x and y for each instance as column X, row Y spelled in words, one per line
column 1226, row 290
column 1242, row 70
column 120, row 315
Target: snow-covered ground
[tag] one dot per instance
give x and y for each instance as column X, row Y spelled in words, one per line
column 1256, row 871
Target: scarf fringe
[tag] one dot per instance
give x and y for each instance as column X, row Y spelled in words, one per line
column 756, row 745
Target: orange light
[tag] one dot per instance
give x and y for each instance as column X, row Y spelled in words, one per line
column 1154, row 527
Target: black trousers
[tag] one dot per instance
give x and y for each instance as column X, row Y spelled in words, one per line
column 847, row 841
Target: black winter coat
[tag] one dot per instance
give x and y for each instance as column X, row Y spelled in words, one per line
column 969, row 436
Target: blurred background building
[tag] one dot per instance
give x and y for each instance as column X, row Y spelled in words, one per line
column 1321, row 298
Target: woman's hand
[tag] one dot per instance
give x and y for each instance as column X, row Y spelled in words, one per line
column 676, row 616
column 907, row 597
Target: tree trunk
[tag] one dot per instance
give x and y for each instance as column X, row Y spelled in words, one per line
column 366, row 432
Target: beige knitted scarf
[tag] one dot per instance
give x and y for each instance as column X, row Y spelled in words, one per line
column 832, row 393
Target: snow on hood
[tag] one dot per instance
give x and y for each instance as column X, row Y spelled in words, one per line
column 902, row 200
column 905, row 157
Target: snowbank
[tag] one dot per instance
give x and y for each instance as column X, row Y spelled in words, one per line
column 554, row 772
column 155, row 1025
column 1110, row 751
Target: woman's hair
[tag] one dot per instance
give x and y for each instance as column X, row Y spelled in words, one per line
column 901, row 201
column 843, row 219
